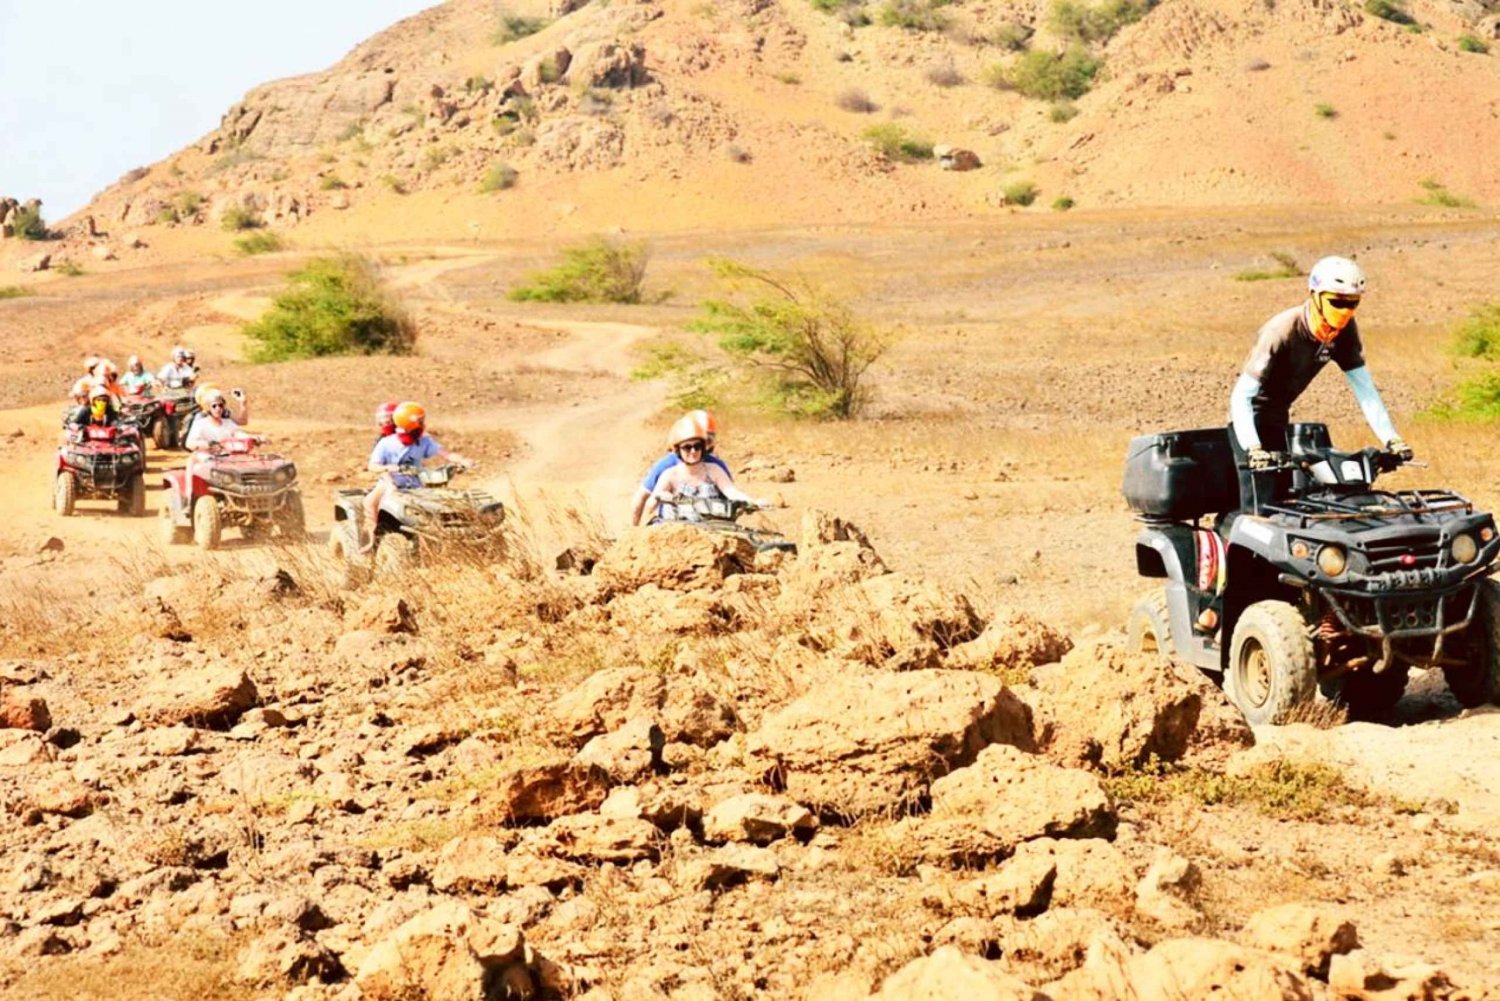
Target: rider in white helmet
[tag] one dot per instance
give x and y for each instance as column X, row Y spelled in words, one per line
column 1290, row 350
column 179, row 371
column 136, row 379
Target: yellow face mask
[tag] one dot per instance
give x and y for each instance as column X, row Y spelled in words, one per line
column 99, row 408
column 1335, row 317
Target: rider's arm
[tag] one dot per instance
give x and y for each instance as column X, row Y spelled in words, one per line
column 1370, row 403
column 1242, row 413
column 726, row 486
column 638, row 505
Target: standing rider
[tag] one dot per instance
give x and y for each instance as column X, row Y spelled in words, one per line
column 409, row 447
column 707, row 426
column 1290, row 350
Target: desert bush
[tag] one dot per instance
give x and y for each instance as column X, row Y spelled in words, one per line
column 1438, row 194
column 514, row 26
column 29, row 224
column 914, row 15
column 14, row 291
column 393, row 183
column 1012, row 36
column 1282, row 789
column 1324, row 110
column 434, row 157
column 1021, row 193
column 69, row 269
column 1479, row 335
column 601, row 270
column 1062, row 203
column 817, row 350
column 1063, row 111
column 350, row 131
column 498, row 178
column 187, row 203
column 334, row 306
column 894, row 143
column 1096, row 22
column 1471, row 43
column 549, row 71
column 258, row 243
column 790, row 79
column 738, row 154
column 237, row 218
column 856, row 100
column 851, row 12
column 944, row 75
column 477, row 84
column 1286, row 267
column 332, row 182
column 1051, row 76
column 1389, row 10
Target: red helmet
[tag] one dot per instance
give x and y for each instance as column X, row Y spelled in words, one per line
column 385, row 417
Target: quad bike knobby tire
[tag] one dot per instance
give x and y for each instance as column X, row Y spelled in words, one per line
column 208, row 528
column 1478, row 682
column 161, row 433
column 132, row 500
column 343, row 549
column 1272, row 667
column 64, row 494
column 394, row 554
column 1149, row 629
column 173, row 534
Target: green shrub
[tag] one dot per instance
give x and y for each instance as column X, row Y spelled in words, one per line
column 601, row 270
column 1286, row 267
column 1062, row 204
column 851, row 12
column 434, row 157
column 790, row 79
column 334, row 306
column 187, row 204
column 944, row 75
column 1479, row 335
column 914, row 15
column 69, row 269
column 549, row 70
column 894, row 143
column 351, row 131
column 1325, row 110
column 29, row 224
column 393, row 183
column 1438, row 194
column 1064, row 111
column 1470, row 43
column 1021, row 193
column 1052, row 76
column 332, row 182
column 258, row 243
column 512, row 27
column 14, row 291
column 498, row 178
column 1094, row 22
column 477, row 84
column 238, row 218
column 1012, row 36
column 811, row 343
column 1389, row 10
column 1281, row 788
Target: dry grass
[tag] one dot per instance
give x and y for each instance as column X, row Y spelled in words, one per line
column 190, row 964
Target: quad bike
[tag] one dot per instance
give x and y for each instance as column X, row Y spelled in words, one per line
column 721, row 515
column 150, row 416
column 414, row 523
column 100, row 463
column 179, row 407
column 232, row 485
column 1330, row 586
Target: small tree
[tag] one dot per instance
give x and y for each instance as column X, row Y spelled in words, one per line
column 601, row 270
column 29, row 224
column 335, row 306
column 811, row 340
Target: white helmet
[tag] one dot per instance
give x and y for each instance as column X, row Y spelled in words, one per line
column 1338, row 275
column 179, row 353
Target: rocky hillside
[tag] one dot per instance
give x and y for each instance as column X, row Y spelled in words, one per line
column 681, row 114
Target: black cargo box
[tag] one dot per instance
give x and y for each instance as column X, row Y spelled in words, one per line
column 1181, row 474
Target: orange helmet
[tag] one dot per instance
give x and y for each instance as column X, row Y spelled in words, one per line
column 687, row 428
column 707, row 421
column 409, row 416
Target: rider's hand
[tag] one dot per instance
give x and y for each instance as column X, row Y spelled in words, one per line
column 1400, row 449
column 1262, row 459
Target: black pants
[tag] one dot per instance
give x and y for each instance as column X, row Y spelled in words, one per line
column 1258, row 488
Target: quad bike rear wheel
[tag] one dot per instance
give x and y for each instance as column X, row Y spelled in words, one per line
column 132, row 500
column 65, row 494
column 1272, row 668
column 173, row 534
column 1149, row 629
column 208, row 528
column 1478, row 681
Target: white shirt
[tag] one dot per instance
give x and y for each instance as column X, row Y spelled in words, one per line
column 171, row 370
column 206, row 431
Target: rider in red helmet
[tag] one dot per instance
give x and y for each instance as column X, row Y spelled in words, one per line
column 395, row 455
column 385, row 420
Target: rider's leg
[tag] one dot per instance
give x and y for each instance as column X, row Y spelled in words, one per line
column 378, row 492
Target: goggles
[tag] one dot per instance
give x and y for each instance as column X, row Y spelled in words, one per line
column 1342, row 301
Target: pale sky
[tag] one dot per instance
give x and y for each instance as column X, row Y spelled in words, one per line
column 92, row 88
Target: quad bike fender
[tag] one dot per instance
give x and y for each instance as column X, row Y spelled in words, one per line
column 179, row 506
column 1169, row 551
column 1258, row 536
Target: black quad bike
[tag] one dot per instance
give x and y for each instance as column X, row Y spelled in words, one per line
column 413, row 524
column 721, row 515
column 1329, row 586
column 179, row 408
column 151, row 416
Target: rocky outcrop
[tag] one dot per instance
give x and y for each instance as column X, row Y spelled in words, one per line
column 212, row 696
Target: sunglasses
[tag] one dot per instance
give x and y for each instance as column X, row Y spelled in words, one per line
column 218, row 406
column 690, row 446
column 1342, row 301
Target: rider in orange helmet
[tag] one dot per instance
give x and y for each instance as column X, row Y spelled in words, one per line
column 396, row 455
column 693, row 476
column 708, row 428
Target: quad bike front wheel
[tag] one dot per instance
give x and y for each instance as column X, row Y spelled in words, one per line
column 1478, row 681
column 132, row 499
column 161, row 433
column 208, row 527
column 1149, row 628
column 343, row 548
column 291, row 520
column 1272, row 668
column 65, row 494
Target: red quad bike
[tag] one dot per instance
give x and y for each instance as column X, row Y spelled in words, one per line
column 232, row 485
column 152, row 416
column 101, row 463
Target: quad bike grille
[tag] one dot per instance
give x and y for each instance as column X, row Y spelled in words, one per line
column 1392, row 555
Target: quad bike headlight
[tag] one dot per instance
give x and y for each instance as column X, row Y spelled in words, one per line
column 1464, row 549
column 1332, row 560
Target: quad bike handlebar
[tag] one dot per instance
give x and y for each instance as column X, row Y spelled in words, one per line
column 1370, row 461
column 434, row 476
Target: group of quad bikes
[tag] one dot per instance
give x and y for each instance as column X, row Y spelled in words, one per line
column 1329, row 587
column 236, row 485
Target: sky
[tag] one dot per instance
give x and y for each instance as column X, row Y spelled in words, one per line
column 90, row 89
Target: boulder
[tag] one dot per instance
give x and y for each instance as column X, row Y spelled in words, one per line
column 286, row 957
column 1056, row 943
column 471, row 863
column 950, row 974
column 20, row 709
column 608, row 64
column 382, row 613
column 1106, row 707
column 447, row 953
column 211, row 697
column 1166, row 892
column 673, row 557
column 1022, row 886
column 606, row 699
column 1012, row 644
column 60, row 793
column 953, row 158
column 19, row 748
column 546, row 791
column 900, row 622
column 1183, row 968
column 1007, row 797
column 1090, row 872
column 628, row 754
column 1308, row 934
column 591, row 838
column 869, row 743
column 1359, row 974
column 731, row 865
column 758, row 818
column 34, row 263
column 693, row 713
